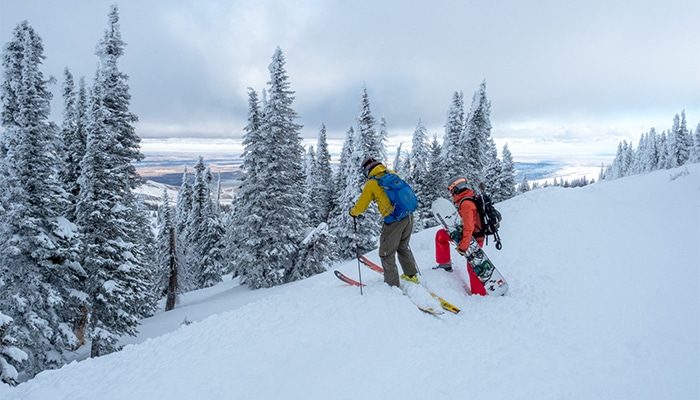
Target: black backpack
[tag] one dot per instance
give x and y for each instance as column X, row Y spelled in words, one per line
column 489, row 216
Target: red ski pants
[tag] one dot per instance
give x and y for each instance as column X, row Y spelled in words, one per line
column 443, row 256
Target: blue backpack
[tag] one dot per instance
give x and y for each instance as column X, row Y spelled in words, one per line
column 400, row 195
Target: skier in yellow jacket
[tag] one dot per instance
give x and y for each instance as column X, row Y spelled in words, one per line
column 396, row 234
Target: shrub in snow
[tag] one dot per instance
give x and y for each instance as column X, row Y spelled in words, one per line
column 9, row 353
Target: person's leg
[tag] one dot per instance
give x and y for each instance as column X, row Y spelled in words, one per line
column 388, row 244
column 406, row 259
column 442, row 249
column 475, row 283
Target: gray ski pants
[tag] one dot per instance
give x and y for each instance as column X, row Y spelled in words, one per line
column 395, row 239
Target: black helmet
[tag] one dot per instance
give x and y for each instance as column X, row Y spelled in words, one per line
column 458, row 186
column 369, row 165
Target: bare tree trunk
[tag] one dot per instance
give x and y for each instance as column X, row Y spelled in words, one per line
column 172, row 282
column 81, row 327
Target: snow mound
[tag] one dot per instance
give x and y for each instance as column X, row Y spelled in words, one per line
column 603, row 304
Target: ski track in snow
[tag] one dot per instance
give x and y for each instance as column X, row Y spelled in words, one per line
column 603, row 304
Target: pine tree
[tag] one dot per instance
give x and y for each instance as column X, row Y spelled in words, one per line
column 73, row 137
column 695, row 155
column 640, row 155
column 493, row 167
column 369, row 144
column 322, row 180
column 115, row 255
column 436, row 184
column 653, row 151
column 341, row 223
column 419, row 177
column 316, row 253
column 183, row 208
column 505, row 188
column 679, row 142
column 39, row 269
column 170, row 273
column 453, row 157
column 475, row 137
column 622, row 163
column 204, row 232
column 308, row 168
column 367, row 226
column 10, row 355
column 601, row 174
column 383, row 136
column 664, row 152
column 524, row 185
column 279, row 211
column 243, row 222
column 398, row 160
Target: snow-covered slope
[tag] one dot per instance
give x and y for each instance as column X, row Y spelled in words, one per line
column 603, row 304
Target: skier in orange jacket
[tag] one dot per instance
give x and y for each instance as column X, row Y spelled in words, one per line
column 471, row 226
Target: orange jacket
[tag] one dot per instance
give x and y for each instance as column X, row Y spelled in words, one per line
column 470, row 218
column 372, row 191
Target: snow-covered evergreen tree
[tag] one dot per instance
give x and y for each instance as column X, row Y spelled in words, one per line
column 679, row 144
column 369, row 144
column 664, row 161
column 115, row 253
column 640, row 155
column 183, row 208
column 341, row 223
column 244, row 223
column 524, row 185
column 405, row 165
column 454, row 159
column 493, row 166
column 308, row 167
column 39, row 268
column 321, row 183
column 277, row 209
column 505, row 188
column 204, row 233
column 474, row 138
column 316, row 253
column 10, row 355
column 695, row 154
column 396, row 166
column 419, row 177
column 383, row 137
column 651, row 159
column 170, row 274
column 368, row 224
column 73, row 137
column 622, row 163
column 436, row 183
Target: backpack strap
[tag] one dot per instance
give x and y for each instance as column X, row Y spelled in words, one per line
column 391, row 217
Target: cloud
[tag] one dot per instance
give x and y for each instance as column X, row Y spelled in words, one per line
column 566, row 72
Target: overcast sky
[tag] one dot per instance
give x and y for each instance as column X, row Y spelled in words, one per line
column 563, row 77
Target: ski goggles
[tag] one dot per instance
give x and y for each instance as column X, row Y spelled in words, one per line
column 458, row 186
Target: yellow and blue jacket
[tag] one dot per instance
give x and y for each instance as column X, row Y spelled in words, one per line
column 372, row 191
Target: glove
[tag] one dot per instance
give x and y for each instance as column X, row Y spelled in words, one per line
column 461, row 252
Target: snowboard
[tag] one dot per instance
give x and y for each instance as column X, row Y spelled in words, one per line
column 494, row 283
